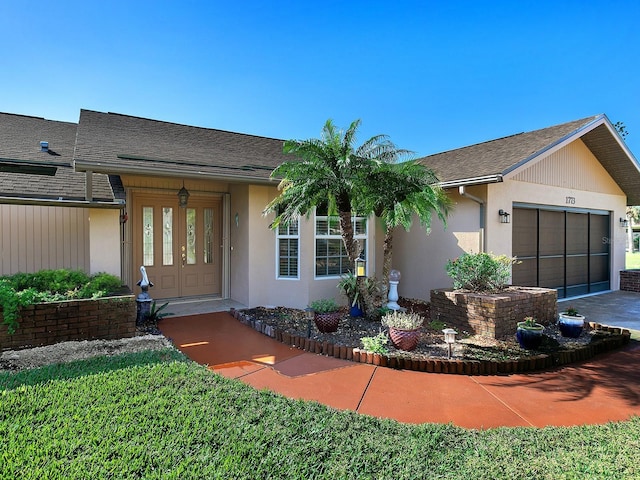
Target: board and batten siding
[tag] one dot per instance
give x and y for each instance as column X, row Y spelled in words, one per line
column 573, row 166
column 36, row 238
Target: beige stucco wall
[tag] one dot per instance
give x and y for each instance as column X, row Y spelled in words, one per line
column 422, row 258
column 104, row 236
column 239, row 244
column 254, row 275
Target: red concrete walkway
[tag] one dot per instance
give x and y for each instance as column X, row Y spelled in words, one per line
column 606, row 388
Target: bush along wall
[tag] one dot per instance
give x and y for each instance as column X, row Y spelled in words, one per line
column 51, row 306
column 41, row 324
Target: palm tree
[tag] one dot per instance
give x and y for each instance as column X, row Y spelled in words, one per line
column 330, row 170
column 398, row 191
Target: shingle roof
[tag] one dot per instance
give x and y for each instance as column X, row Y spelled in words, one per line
column 497, row 157
column 490, row 161
column 20, row 151
column 115, row 143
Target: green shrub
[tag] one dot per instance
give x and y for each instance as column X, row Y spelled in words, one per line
column 377, row 344
column 24, row 289
column 480, row 272
column 324, row 305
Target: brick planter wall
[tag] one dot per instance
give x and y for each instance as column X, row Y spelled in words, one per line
column 630, row 280
column 493, row 315
column 48, row 323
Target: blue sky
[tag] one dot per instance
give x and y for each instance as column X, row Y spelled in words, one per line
column 433, row 75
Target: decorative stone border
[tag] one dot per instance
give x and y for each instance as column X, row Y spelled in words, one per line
column 619, row 337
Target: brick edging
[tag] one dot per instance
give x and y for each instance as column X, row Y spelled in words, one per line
column 619, row 338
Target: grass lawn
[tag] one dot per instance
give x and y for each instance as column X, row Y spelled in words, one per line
column 633, row 260
column 157, row 415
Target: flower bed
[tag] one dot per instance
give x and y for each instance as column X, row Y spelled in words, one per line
column 484, row 357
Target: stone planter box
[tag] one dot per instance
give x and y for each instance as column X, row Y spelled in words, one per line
column 493, row 315
column 106, row 318
column 630, row 280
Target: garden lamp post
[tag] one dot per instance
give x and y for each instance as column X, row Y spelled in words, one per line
column 449, row 338
column 394, row 279
column 308, row 314
column 361, row 267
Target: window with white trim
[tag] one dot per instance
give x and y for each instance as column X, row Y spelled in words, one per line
column 332, row 258
column 288, row 242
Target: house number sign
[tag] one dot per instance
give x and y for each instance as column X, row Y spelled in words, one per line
column 570, row 200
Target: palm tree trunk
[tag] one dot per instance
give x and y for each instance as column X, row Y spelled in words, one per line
column 387, row 260
column 353, row 249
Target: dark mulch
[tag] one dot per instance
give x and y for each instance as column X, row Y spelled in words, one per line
column 431, row 344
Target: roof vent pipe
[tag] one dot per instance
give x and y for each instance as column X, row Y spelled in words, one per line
column 463, row 192
column 44, row 146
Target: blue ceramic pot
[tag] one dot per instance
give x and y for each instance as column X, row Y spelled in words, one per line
column 355, row 311
column 529, row 339
column 570, row 325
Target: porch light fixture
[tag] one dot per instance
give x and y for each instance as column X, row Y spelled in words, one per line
column 449, row 338
column 183, row 196
column 505, row 217
column 361, row 267
column 309, row 314
column 624, row 222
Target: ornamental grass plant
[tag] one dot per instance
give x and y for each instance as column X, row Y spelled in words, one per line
column 402, row 320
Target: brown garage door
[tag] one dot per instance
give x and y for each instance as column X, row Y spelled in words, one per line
column 561, row 249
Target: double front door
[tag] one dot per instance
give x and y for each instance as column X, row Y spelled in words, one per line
column 179, row 247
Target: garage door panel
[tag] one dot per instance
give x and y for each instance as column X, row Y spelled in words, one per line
column 525, row 272
column 577, row 234
column 578, row 270
column 599, row 268
column 525, row 232
column 599, row 240
column 551, row 272
column 551, row 233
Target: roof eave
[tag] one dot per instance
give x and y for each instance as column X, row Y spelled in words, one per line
column 495, row 178
column 107, row 168
column 47, row 202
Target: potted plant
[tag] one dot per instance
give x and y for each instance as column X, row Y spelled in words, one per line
column 529, row 333
column 570, row 323
column 404, row 329
column 326, row 314
column 348, row 284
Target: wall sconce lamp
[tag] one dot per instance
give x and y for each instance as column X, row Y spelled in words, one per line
column 449, row 338
column 624, row 222
column 183, row 196
column 361, row 267
column 505, row 217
